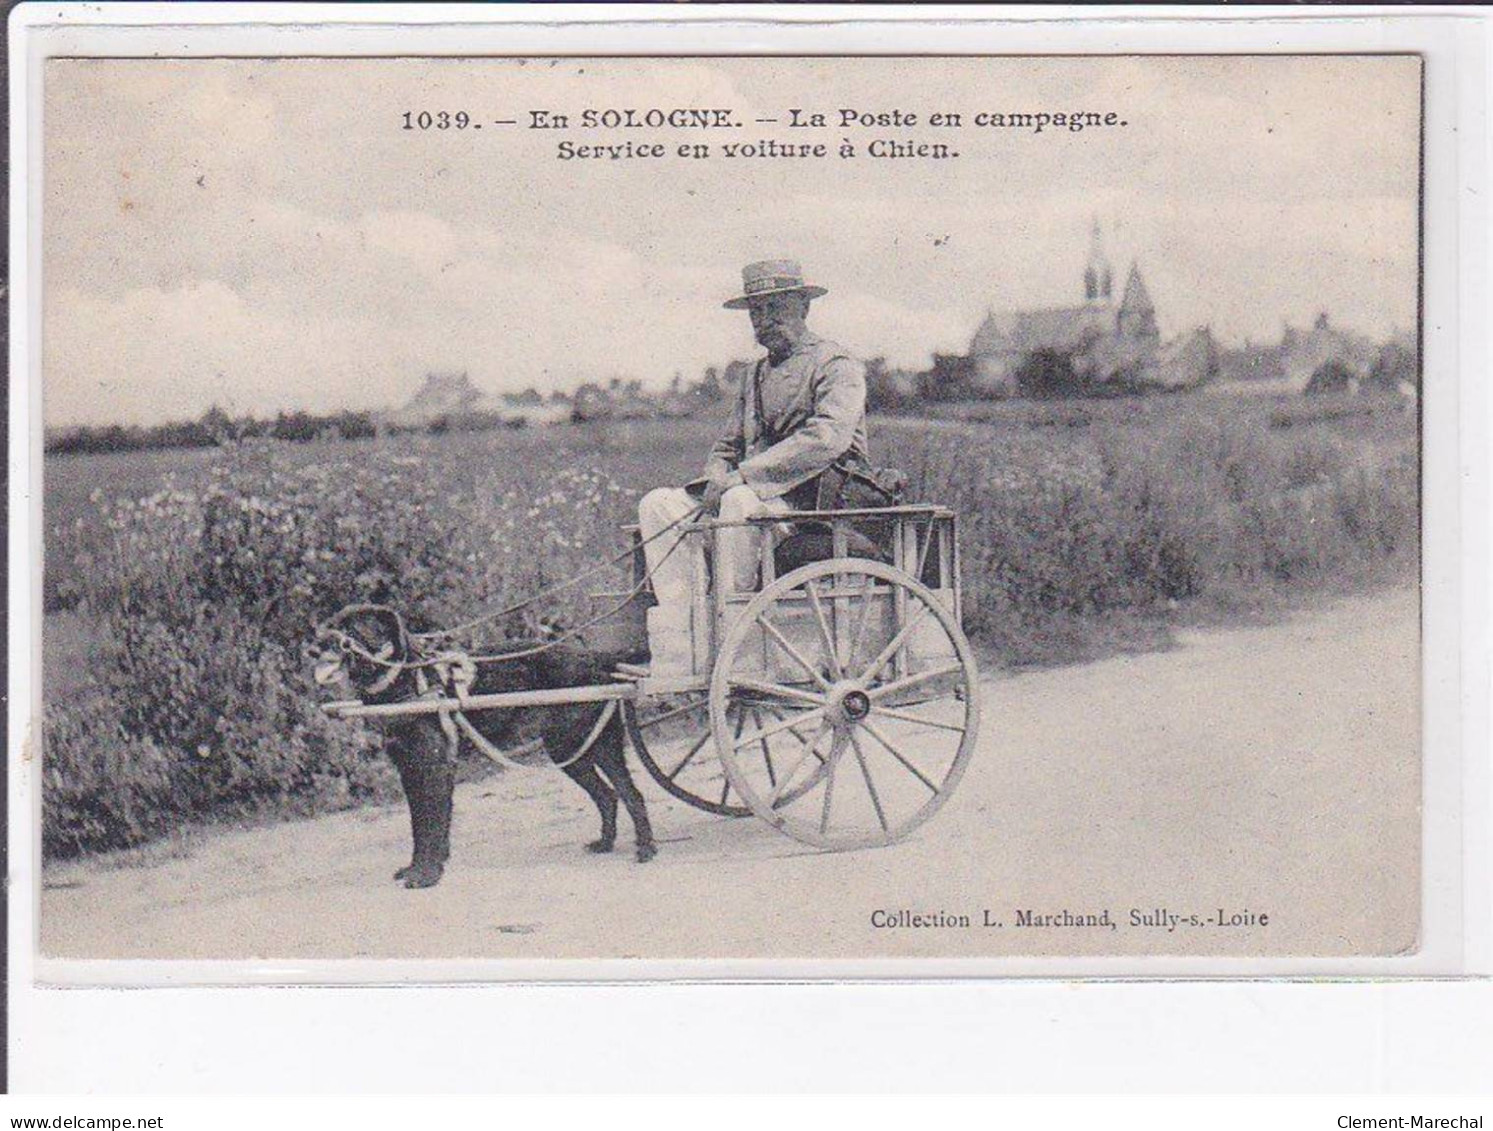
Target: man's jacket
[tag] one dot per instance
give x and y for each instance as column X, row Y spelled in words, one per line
column 792, row 421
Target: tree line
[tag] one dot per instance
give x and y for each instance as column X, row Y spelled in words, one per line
column 212, row 428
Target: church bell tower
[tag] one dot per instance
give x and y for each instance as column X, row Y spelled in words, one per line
column 1098, row 280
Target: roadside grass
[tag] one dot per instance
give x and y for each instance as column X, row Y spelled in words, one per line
column 1077, row 540
column 180, row 587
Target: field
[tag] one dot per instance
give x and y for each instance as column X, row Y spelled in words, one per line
column 180, row 587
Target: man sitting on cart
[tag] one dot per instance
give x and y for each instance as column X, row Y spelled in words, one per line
column 800, row 410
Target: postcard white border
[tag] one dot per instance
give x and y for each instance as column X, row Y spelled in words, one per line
column 1454, row 42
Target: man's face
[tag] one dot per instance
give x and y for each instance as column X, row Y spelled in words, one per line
column 778, row 320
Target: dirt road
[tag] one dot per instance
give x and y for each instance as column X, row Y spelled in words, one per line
column 1268, row 775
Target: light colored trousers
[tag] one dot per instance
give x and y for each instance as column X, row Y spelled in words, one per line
column 739, row 546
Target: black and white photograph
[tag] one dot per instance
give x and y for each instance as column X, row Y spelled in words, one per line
column 852, row 509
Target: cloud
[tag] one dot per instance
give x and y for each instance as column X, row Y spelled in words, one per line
column 426, row 242
column 906, row 336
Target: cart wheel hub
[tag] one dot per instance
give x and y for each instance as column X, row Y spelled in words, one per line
column 848, row 704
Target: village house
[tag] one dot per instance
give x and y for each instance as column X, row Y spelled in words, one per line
column 618, row 400
column 1323, row 350
column 441, row 396
column 452, row 398
column 1325, row 358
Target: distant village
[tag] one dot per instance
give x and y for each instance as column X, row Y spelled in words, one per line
column 1103, row 346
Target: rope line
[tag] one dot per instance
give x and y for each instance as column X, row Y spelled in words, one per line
column 573, row 632
column 417, row 639
column 487, row 618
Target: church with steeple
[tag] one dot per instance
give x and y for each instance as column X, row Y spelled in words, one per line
column 1108, row 343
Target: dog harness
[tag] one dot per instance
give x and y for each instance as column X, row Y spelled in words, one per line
column 455, row 723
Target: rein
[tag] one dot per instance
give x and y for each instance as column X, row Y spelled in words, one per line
column 617, row 559
column 412, row 643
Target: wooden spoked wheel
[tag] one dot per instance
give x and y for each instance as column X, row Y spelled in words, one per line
column 861, row 701
column 671, row 735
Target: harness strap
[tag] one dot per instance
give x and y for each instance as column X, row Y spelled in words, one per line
column 601, row 724
column 386, row 681
column 504, row 757
column 493, row 753
column 448, row 728
column 460, row 670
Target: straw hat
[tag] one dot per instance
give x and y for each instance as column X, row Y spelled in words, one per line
column 771, row 277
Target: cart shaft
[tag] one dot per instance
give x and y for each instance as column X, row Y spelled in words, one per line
column 548, row 697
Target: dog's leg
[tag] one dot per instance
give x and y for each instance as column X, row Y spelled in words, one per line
column 429, row 779
column 406, row 761
column 584, row 774
column 440, row 789
column 611, row 760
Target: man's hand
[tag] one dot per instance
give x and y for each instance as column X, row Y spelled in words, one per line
column 717, row 487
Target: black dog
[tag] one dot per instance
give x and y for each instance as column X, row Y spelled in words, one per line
column 371, row 647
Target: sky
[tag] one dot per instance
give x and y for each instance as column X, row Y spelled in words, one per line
column 264, row 235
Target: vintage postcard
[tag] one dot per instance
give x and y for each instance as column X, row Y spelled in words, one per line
column 731, row 508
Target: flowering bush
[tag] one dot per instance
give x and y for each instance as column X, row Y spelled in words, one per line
column 1130, row 515
column 200, row 702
